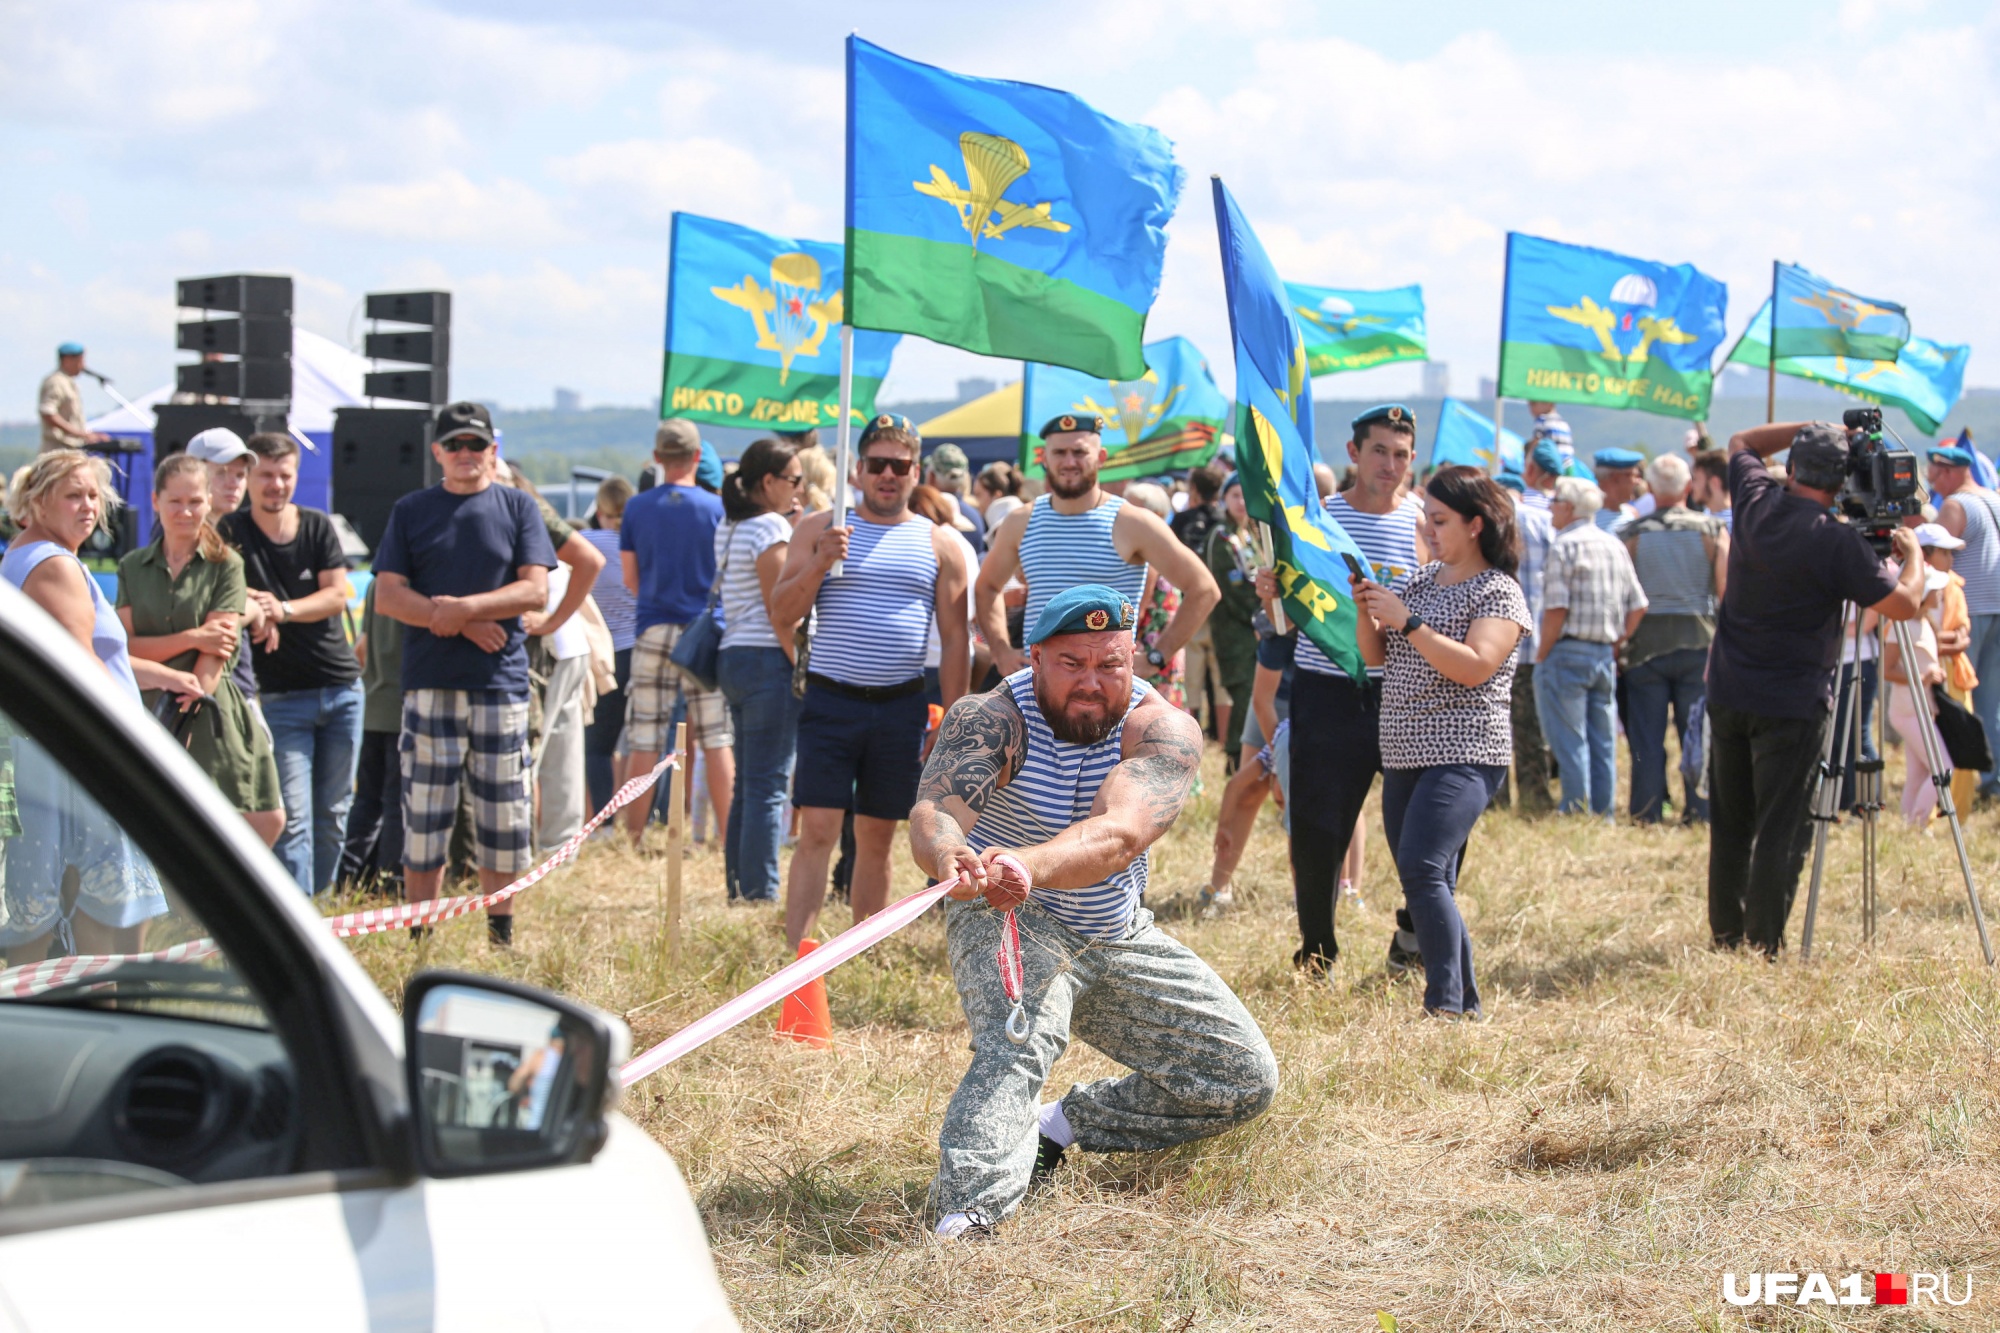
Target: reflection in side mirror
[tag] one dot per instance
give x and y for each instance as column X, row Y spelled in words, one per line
column 504, row 1077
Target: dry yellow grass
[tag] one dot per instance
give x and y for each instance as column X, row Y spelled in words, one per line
column 1637, row 1115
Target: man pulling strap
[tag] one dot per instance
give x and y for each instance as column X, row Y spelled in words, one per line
column 1071, row 770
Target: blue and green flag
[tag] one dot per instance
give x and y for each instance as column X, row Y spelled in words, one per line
column 1580, row 325
column 1354, row 330
column 1816, row 318
column 1168, row 419
column 1925, row 380
column 1274, row 443
column 1465, row 437
column 753, row 331
column 1004, row 218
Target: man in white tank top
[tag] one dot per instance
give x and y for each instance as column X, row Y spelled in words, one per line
column 862, row 724
column 1022, row 758
column 1072, row 453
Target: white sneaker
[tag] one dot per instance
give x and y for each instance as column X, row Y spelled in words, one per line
column 1211, row 904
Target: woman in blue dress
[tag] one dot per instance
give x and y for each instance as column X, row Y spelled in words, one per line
column 71, row 875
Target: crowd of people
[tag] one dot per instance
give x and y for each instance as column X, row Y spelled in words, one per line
column 510, row 668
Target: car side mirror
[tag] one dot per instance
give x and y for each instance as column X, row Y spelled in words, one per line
column 504, row 1077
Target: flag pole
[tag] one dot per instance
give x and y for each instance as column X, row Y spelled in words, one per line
column 844, row 437
column 1771, row 357
column 1500, row 353
column 1267, row 556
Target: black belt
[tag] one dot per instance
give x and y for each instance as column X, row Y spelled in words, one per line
column 866, row 693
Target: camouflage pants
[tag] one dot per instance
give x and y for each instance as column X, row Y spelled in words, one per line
column 1200, row 1063
column 1533, row 765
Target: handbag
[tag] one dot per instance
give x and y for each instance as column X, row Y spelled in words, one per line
column 700, row 643
column 1965, row 739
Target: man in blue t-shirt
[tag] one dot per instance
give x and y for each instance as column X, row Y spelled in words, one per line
column 667, row 541
column 459, row 564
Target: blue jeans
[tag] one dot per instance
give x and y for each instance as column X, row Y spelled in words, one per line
column 1428, row 814
column 1672, row 682
column 317, row 736
column 1985, row 656
column 764, row 714
column 1863, row 745
column 1574, row 690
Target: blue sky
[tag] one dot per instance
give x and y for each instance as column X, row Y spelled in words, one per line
column 528, row 158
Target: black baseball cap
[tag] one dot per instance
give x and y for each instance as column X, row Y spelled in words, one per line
column 464, row 419
column 1819, row 456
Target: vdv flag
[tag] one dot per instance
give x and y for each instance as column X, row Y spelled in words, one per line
column 1464, row 437
column 1816, row 318
column 1353, row 330
column 753, row 330
column 1274, row 443
column 1168, row 419
column 1004, row 218
column 1580, row 325
column 1924, row 381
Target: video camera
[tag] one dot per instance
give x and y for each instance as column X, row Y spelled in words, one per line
column 1881, row 489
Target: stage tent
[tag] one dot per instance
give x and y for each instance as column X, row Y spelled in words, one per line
column 988, row 428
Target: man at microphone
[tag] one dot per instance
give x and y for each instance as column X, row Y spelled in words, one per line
column 61, row 404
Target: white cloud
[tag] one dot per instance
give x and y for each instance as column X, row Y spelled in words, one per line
column 646, row 180
column 444, row 208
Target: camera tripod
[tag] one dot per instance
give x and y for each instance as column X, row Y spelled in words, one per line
column 1837, row 752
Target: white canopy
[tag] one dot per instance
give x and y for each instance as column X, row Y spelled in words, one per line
column 325, row 375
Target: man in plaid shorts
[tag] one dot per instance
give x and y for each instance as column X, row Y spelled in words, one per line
column 459, row 564
column 667, row 542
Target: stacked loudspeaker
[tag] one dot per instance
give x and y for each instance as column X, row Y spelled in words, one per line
column 381, row 454
column 244, row 378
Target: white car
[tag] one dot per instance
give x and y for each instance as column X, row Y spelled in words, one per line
column 248, row 1137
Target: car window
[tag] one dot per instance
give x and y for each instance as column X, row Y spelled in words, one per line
column 86, row 919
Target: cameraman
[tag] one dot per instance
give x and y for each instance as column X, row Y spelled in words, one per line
column 1792, row 566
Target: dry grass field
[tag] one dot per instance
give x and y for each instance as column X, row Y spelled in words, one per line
column 1636, row 1116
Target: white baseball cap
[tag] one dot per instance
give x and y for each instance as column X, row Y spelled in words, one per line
column 1936, row 534
column 217, row 444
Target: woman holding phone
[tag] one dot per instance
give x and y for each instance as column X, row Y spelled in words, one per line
column 1447, row 649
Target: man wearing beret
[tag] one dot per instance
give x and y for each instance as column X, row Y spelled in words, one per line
column 1618, row 478
column 60, row 404
column 1971, row 513
column 1069, row 772
column 1081, row 533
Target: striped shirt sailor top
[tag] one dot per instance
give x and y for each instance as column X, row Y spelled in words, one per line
column 1060, row 551
column 1055, row 789
column 1389, row 543
column 871, row 623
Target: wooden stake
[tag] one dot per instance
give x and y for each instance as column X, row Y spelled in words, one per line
column 676, row 837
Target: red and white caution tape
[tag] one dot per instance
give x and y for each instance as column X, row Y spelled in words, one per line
column 34, row 978
column 850, row 943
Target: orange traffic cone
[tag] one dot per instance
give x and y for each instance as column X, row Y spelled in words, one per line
column 804, row 1016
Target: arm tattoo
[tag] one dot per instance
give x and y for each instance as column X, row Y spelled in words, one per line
column 1163, row 765
column 980, row 747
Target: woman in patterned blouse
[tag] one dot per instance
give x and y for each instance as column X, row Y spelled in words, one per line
column 1446, row 646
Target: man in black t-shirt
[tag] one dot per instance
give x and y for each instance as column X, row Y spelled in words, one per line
column 307, row 677
column 1793, row 566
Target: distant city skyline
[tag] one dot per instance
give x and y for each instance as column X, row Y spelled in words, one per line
column 529, row 163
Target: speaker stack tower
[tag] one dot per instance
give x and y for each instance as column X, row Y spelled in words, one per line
column 244, row 377
column 381, row 454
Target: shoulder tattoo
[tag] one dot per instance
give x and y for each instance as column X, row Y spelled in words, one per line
column 980, row 747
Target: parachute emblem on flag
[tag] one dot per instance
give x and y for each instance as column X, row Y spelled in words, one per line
column 992, row 164
column 1844, row 310
column 791, row 317
column 1629, row 310
column 1336, row 316
column 1135, row 404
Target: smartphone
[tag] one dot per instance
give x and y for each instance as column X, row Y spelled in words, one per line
column 1354, row 567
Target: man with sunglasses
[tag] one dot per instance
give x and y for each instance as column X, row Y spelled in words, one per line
column 459, row 564
column 861, row 730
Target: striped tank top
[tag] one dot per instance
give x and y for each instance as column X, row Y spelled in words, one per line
column 1055, row 788
column 1059, row 551
column 870, row 624
column 1389, row 543
column 1979, row 562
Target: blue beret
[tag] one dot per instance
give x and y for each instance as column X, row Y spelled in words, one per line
column 1617, row 458
column 1547, row 456
column 708, row 472
column 1073, row 421
column 1088, row 608
column 1952, row 454
column 1512, row 481
column 70, row 349
column 888, row 421
column 1394, row 414
column 1233, row 479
